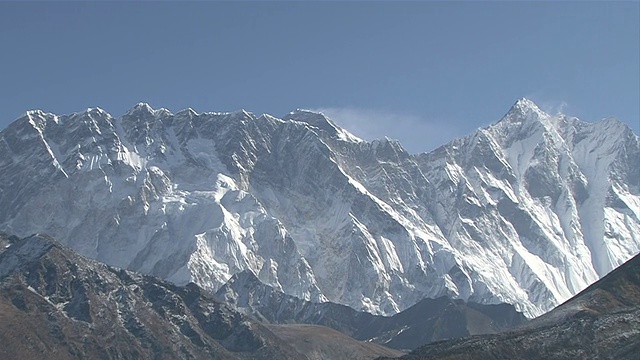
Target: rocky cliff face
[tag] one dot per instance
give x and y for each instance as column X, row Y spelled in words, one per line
column 55, row 304
column 528, row 211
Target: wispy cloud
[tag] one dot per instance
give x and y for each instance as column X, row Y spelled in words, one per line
column 416, row 134
column 550, row 106
column 554, row 107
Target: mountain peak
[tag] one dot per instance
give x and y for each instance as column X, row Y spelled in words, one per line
column 524, row 110
column 310, row 117
column 35, row 112
column 242, row 114
column 316, row 119
column 306, row 111
column 322, row 122
column 95, row 111
column 140, row 107
column 187, row 112
column 526, row 106
column 524, row 103
column 24, row 252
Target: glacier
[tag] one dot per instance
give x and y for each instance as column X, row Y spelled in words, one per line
column 529, row 210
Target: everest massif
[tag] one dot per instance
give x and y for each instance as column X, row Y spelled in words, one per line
column 528, row 211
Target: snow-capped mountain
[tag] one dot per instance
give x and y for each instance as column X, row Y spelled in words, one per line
column 529, row 210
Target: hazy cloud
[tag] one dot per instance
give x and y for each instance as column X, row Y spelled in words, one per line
column 416, row 134
column 550, row 106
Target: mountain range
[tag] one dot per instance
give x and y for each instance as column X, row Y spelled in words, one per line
column 529, row 210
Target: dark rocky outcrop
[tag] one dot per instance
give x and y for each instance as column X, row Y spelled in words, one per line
column 56, row 304
column 601, row 322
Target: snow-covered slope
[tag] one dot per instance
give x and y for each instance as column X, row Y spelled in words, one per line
column 528, row 211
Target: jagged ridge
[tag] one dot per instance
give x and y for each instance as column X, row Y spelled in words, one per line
column 528, row 211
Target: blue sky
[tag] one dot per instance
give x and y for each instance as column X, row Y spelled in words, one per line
column 421, row 72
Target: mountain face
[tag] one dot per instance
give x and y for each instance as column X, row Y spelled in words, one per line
column 601, row 322
column 55, row 304
column 529, row 210
column 6, row 241
column 427, row 321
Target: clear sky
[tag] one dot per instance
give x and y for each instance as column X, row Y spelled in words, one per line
column 421, row 72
